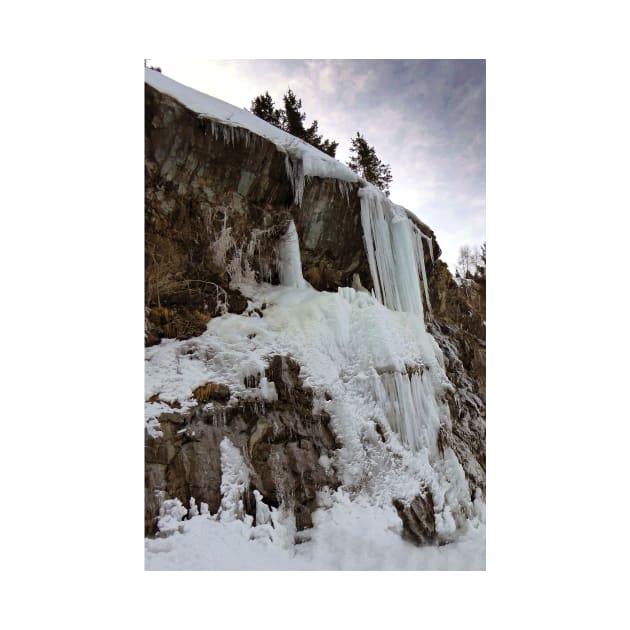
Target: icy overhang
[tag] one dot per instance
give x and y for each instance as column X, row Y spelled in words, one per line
column 315, row 163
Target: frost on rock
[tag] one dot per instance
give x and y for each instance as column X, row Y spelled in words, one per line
column 382, row 373
column 263, row 514
column 153, row 428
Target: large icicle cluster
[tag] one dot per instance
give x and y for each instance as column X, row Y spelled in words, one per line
column 393, row 246
column 412, row 398
column 418, row 236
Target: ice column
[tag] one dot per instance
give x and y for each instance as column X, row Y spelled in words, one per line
column 396, row 258
column 420, row 259
column 411, row 408
column 289, row 262
column 391, row 254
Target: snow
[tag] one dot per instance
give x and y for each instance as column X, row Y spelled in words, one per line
column 359, row 352
column 234, row 481
column 347, row 535
column 309, row 161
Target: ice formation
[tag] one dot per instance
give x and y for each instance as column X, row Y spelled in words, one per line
column 289, row 260
column 418, row 236
column 371, row 355
column 390, row 246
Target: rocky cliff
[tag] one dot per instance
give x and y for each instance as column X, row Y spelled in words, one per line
column 219, row 201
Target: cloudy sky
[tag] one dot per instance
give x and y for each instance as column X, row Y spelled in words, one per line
column 426, row 119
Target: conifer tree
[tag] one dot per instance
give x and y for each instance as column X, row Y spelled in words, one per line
column 263, row 107
column 365, row 162
column 291, row 119
column 329, row 147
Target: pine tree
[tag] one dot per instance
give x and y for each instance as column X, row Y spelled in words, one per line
column 263, row 107
column 329, row 147
column 480, row 264
column 365, row 162
column 291, row 119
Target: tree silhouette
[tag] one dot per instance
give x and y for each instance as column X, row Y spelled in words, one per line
column 291, row 119
column 366, row 163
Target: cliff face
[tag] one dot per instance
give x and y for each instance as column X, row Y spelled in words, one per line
column 214, row 213
column 219, row 200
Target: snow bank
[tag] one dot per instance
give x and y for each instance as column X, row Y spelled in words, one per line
column 348, row 535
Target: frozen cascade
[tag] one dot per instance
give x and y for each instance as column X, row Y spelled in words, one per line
column 295, row 173
column 391, row 250
column 412, row 401
column 420, row 259
column 406, row 273
column 289, row 262
column 407, row 398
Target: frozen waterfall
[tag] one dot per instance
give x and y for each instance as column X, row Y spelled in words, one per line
column 392, row 245
column 412, row 400
column 289, row 262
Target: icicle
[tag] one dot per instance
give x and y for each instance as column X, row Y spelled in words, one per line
column 289, row 262
column 409, row 402
column 430, row 241
column 406, row 268
column 295, row 173
column 344, row 189
column 391, row 252
column 420, row 259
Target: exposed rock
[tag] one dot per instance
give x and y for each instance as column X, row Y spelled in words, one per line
column 282, row 442
column 214, row 212
column 211, row 391
column 418, row 519
column 458, row 326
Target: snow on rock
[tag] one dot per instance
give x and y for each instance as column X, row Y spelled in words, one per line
column 305, row 160
column 234, row 482
column 358, row 352
column 171, row 514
